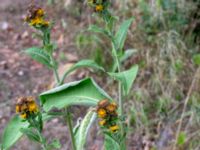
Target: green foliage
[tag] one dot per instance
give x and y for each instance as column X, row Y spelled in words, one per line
column 82, row 132
column 126, row 78
column 39, row 55
column 81, row 64
column 83, row 92
column 12, row 132
column 31, row 134
column 110, row 143
column 95, row 28
column 121, row 34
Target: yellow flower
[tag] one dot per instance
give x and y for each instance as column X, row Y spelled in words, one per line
column 114, row 128
column 23, row 115
column 102, row 122
column 99, row 8
column 101, row 113
column 26, row 106
column 32, row 107
column 38, row 21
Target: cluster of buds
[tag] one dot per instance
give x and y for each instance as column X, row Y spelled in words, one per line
column 35, row 17
column 26, row 106
column 98, row 5
column 107, row 112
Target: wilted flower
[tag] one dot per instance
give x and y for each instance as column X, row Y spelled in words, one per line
column 26, row 106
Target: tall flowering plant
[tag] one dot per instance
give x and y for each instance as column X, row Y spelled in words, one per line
column 32, row 114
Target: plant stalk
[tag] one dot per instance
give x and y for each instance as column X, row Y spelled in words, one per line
column 69, row 123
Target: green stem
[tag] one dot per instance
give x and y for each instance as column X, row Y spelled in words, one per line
column 119, row 83
column 69, row 123
column 47, row 41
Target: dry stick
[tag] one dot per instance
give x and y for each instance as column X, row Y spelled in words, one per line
column 195, row 79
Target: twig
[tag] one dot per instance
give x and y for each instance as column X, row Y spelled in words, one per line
column 195, row 79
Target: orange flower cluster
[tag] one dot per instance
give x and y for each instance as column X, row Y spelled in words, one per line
column 107, row 112
column 26, row 106
column 35, row 17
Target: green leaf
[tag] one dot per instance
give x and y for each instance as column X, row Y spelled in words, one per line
column 196, row 59
column 83, row 92
column 181, row 138
column 86, row 123
column 110, row 143
column 39, row 55
column 12, row 132
column 81, row 64
column 30, row 134
column 120, row 36
column 126, row 78
column 97, row 29
column 127, row 54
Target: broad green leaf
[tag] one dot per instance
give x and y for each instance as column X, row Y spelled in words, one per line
column 121, row 34
column 39, row 55
column 97, row 29
column 12, row 132
column 81, row 64
column 196, row 59
column 126, row 78
column 86, row 123
column 83, row 92
column 181, row 138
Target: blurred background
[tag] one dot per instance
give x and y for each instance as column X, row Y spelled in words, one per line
column 166, row 38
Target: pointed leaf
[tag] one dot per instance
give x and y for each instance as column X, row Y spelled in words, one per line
column 120, row 36
column 86, row 123
column 126, row 78
column 83, row 92
column 39, row 55
column 12, row 132
column 81, row 64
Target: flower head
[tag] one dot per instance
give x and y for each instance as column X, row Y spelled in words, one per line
column 101, row 113
column 99, row 8
column 107, row 112
column 26, row 106
column 35, row 17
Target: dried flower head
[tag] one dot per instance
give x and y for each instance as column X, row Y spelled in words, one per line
column 35, row 17
column 26, row 106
